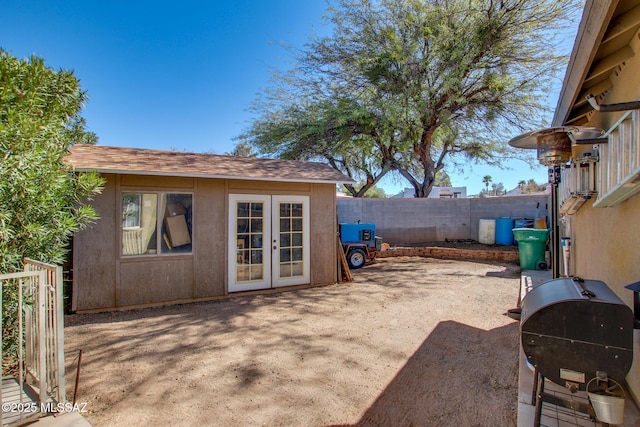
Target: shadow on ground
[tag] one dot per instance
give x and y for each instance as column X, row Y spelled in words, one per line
column 409, row 342
column 456, row 363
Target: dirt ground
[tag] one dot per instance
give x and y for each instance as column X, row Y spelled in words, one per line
column 411, row 341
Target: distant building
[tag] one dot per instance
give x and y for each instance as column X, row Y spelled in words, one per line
column 436, row 193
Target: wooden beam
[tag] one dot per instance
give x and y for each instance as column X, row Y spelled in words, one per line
column 595, row 90
column 580, row 111
column 344, row 274
column 606, row 65
column 623, row 24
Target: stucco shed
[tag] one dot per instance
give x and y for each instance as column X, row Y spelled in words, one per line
column 179, row 227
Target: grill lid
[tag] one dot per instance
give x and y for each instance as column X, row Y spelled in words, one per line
column 572, row 328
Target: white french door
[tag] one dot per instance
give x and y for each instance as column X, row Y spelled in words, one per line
column 269, row 241
column 290, row 240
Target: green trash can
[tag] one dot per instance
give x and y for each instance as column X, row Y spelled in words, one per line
column 532, row 243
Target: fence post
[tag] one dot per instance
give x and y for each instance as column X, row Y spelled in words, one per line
column 59, row 334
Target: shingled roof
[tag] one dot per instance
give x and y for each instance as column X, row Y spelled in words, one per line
column 137, row 161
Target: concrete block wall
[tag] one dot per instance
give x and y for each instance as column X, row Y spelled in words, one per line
column 422, row 220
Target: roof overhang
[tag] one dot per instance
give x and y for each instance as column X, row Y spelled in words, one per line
column 134, row 161
column 210, row 176
column 602, row 47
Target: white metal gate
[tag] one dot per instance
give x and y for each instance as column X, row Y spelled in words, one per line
column 40, row 337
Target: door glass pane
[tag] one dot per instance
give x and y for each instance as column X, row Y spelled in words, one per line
column 256, row 225
column 285, row 270
column 256, row 272
column 242, row 273
column 291, row 233
column 256, row 257
column 243, row 225
column 250, row 224
column 297, row 269
column 243, row 210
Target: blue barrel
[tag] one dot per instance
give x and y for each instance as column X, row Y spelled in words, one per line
column 504, row 233
column 522, row 223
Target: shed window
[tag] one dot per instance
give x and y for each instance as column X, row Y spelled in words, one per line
column 156, row 223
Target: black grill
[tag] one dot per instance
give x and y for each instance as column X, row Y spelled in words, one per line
column 573, row 328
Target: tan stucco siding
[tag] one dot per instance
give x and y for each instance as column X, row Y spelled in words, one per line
column 324, row 229
column 605, row 247
column 94, row 270
column 210, row 236
column 264, row 187
column 604, row 244
column 155, row 280
column 160, row 182
column 605, row 240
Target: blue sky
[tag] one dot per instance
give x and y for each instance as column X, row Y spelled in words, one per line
column 181, row 75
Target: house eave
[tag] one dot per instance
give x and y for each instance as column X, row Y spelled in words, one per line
column 211, row 176
column 595, row 19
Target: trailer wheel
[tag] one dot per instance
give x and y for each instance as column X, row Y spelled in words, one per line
column 356, row 258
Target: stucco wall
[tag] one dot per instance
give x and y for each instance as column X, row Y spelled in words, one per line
column 605, row 240
column 323, row 234
column 422, row 220
column 93, row 254
column 210, row 215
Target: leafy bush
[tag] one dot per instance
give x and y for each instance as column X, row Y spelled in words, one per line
column 42, row 200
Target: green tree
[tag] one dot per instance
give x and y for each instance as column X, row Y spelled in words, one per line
column 242, row 149
column 373, row 192
column 531, row 186
column 376, row 192
column 42, row 201
column 401, row 86
column 442, row 179
column 486, row 180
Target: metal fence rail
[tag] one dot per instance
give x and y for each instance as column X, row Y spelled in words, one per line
column 52, row 327
column 40, row 337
